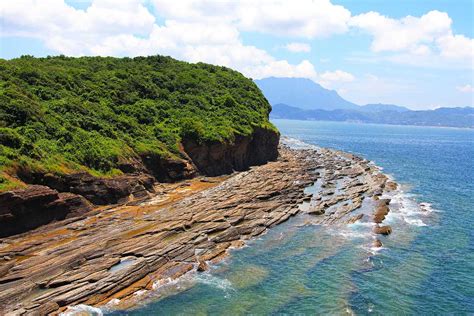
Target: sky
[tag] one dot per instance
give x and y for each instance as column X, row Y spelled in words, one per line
column 415, row 53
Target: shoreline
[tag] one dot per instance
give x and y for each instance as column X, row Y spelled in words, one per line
column 100, row 259
column 378, row 124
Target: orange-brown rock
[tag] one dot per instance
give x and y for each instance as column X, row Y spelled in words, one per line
column 383, row 230
column 119, row 250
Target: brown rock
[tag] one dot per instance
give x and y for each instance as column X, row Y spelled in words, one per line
column 391, row 186
column 377, row 243
column 202, row 266
column 48, row 308
column 36, row 205
column 378, row 218
column 383, row 230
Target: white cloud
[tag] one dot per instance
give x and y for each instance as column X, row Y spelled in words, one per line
column 46, row 18
column 306, row 18
column 456, row 46
column 337, row 75
column 335, row 79
column 429, row 36
column 466, row 88
column 193, row 30
column 298, row 47
column 404, row 34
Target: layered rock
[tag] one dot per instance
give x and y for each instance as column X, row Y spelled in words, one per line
column 217, row 158
column 114, row 253
column 36, row 205
column 208, row 159
column 125, row 249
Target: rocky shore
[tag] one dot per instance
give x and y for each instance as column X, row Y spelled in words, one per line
column 108, row 254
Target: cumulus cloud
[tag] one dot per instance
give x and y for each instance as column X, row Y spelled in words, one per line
column 466, row 88
column 205, row 31
column 334, row 79
column 337, row 75
column 298, row 47
column 428, row 35
column 210, row 31
column 306, row 18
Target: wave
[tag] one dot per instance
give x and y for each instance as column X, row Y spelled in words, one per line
column 406, row 208
column 209, row 279
column 82, row 309
column 296, row 143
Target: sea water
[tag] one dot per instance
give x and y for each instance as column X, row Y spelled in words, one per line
column 426, row 265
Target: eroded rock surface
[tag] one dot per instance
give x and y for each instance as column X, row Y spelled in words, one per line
column 118, row 251
column 36, row 205
column 83, row 261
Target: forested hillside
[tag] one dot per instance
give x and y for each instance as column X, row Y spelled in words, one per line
column 61, row 115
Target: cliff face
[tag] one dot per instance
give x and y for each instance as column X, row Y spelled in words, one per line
column 51, row 197
column 216, row 158
column 25, row 209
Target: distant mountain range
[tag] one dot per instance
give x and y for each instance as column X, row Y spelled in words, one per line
column 303, row 99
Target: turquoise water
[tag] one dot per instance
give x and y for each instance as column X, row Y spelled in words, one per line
column 426, row 265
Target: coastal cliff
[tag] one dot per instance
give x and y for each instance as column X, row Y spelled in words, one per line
column 120, row 255
column 105, row 130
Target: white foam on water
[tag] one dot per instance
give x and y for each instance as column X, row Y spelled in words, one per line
column 404, row 207
column 353, row 231
column 140, row 292
column 297, row 144
column 112, row 302
column 208, row 279
column 427, row 208
column 82, row 309
column 371, row 250
column 415, row 222
column 164, row 282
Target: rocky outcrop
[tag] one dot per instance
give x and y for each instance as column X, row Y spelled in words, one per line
column 125, row 249
column 168, row 169
column 25, row 209
column 217, row 158
column 141, row 174
column 100, row 191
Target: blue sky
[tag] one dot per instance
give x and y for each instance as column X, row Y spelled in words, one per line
column 413, row 53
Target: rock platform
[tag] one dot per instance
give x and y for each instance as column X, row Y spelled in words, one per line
column 116, row 251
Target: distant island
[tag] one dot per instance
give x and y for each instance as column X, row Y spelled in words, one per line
column 303, row 99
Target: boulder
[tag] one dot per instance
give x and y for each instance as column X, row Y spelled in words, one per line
column 383, row 230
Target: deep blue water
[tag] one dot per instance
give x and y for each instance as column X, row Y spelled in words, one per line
column 426, row 266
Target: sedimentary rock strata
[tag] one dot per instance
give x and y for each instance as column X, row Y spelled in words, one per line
column 118, row 250
column 25, row 209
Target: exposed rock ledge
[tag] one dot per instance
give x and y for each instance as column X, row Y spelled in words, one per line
column 113, row 253
column 25, row 209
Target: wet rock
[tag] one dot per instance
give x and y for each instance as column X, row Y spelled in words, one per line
column 383, row 230
column 391, row 186
column 355, row 218
column 74, row 263
column 202, row 266
column 377, row 243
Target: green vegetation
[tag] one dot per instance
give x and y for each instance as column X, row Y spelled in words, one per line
column 62, row 114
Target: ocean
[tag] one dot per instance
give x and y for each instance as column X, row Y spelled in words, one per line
column 426, row 265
